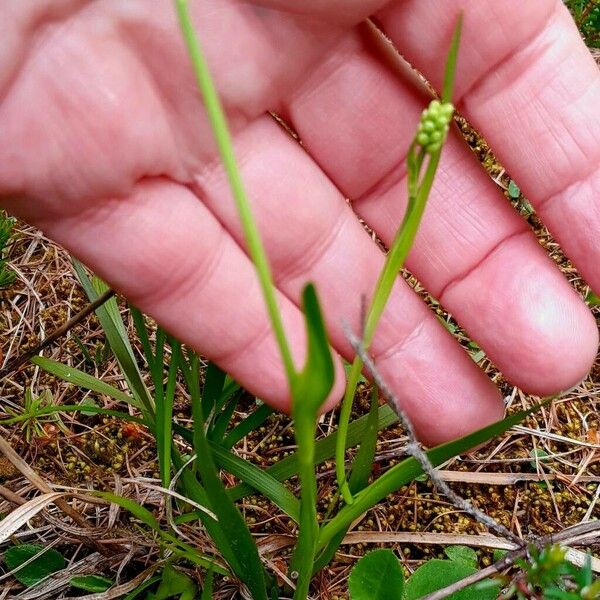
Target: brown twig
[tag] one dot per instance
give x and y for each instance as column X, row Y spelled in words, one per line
column 566, row 536
column 14, row 365
column 414, row 449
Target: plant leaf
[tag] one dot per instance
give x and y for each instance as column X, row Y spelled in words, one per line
column 48, row 561
column 175, row 583
column 91, row 583
column 116, row 335
column 324, row 450
column 462, row 554
column 436, row 574
column 82, row 379
column 409, row 469
column 312, row 385
column 377, row 576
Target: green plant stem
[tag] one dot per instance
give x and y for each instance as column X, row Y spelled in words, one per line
column 394, row 261
column 220, row 128
column 304, row 552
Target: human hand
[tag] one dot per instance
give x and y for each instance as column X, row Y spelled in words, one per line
column 105, row 147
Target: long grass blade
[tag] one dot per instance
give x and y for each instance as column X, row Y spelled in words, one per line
column 409, row 469
column 116, row 334
column 324, row 450
column 84, row 408
column 164, row 417
column 252, row 422
column 180, row 548
column 82, row 379
column 236, row 534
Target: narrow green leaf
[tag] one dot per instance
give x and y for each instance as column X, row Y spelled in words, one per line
column 116, row 334
column 207, row 588
column 252, row 422
column 377, row 576
column 222, row 421
column 50, row 410
column 81, row 379
column 359, row 478
column 247, row 565
column 409, row 469
column 324, row 450
column 142, row 332
column 91, row 583
column 177, row 546
column 214, row 380
column 451, row 61
column 363, row 463
column 164, row 417
column 48, row 561
column 259, row 480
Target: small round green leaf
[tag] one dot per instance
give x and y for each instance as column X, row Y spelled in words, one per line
column 49, row 562
column 437, row 574
column 462, row 554
column 377, row 576
column 91, row 583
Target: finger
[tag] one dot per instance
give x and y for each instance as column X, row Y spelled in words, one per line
column 311, row 234
column 164, row 250
column 526, row 80
column 356, row 116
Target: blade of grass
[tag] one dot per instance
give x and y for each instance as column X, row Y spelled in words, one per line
column 252, row 422
column 50, row 410
column 359, row 478
column 409, row 469
column 260, row 481
column 142, row 332
column 324, row 450
column 164, row 416
column 217, row 432
column 214, row 381
column 218, row 122
column 451, row 61
column 116, row 335
column 180, row 548
column 248, row 566
column 82, row 379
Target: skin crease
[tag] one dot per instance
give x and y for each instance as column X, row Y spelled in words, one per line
column 106, row 149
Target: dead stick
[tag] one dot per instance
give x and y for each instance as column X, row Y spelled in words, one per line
column 415, row 450
column 14, row 365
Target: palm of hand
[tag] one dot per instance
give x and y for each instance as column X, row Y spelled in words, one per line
column 106, row 149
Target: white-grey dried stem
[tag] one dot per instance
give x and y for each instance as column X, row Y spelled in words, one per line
column 414, row 449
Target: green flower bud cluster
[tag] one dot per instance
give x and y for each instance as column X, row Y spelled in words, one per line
column 434, row 125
